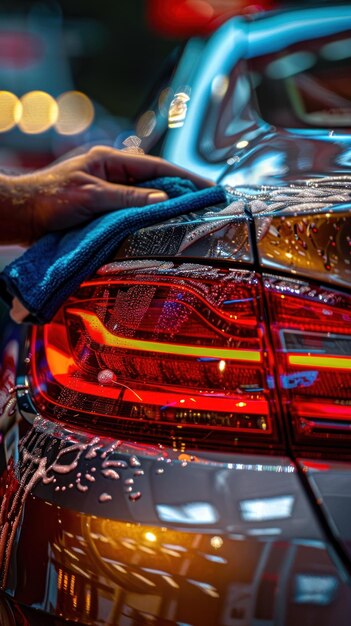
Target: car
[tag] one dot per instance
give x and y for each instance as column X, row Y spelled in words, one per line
column 175, row 443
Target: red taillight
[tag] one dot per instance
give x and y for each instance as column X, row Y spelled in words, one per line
column 181, row 351
column 198, row 356
column 312, row 345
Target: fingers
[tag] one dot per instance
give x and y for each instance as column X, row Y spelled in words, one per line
column 109, row 196
column 127, row 168
column 18, row 312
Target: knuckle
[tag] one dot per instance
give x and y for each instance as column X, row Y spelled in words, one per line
column 97, row 152
column 132, row 197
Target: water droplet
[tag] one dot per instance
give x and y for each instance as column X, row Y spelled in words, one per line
column 106, row 377
column 139, row 472
column 129, row 481
column 110, row 473
column 105, row 497
column 48, row 479
column 134, row 461
column 120, row 464
column 160, row 470
column 135, row 496
column 81, row 487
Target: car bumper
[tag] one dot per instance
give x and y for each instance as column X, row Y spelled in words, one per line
column 101, row 531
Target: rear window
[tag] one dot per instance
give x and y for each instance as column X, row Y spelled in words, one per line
column 306, row 85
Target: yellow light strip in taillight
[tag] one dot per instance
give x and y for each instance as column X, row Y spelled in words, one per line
column 320, row 360
column 101, row 335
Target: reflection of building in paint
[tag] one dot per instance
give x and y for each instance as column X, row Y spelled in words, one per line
column 259, row 510
column 190, row 513
column 315, row 589
column 227, row 580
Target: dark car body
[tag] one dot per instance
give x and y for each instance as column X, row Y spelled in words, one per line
column 175, row 444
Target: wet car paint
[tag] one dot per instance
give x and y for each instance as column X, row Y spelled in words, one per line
column 330, row 483
column 119, row 533
column 303, row 229
column 127, row 534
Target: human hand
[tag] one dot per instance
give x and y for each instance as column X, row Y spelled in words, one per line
column 71, row 192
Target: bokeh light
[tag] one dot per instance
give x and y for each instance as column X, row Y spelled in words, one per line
column 242, row 144
column 75, row 113
column 146, row 124
column 10, row 110
column 216, row 542
column 150, row 536
column 219, row 86
column 39, row 112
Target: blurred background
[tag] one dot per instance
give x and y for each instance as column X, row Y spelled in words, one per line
column 84, row 72
column 78, row 73
column 71, row 73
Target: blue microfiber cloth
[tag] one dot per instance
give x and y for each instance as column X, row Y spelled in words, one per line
column 54, row 267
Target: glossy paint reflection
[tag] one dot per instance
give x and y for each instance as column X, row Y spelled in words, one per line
column 163, row 558
column 331, row 484
column 227, row 135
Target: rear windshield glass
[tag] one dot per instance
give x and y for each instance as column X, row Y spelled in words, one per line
column 306, row 85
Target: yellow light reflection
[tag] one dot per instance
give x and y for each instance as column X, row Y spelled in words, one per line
column 59, row 579
column 149, row 536
column 39, row 112
column 242, row 144
column 75, row 113
column 10, row 111
column 221, row 365
column 216, row 542
column 178, row 110
column 143, row 579
column 219, row 86
column 170, row 581
column 87, row 600
column 72, row 585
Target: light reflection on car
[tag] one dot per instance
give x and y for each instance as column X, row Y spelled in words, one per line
column 209, row 486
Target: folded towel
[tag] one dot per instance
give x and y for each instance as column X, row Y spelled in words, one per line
column 54, row 267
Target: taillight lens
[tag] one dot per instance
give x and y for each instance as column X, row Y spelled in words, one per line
column 196, row 356
column 312, row 344
column 177, row 353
